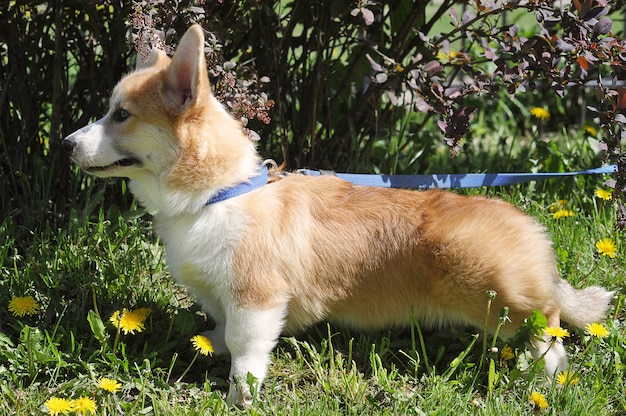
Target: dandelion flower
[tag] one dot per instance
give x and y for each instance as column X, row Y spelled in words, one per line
column 557, row 332
column 109, row 385
column 604, row 194
column 563, row 213
column 606, row 247
column 202, row 344
column 84, row 405
column 507, row 353
column 538, row 400
column 57, row 406
column 597, row 330
column 559, row 205
column 567, row 378
column 26, row 305
column 540, row 113
column 130, row 321
column 590, row 130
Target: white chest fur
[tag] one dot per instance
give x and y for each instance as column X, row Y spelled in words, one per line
column 199, row 250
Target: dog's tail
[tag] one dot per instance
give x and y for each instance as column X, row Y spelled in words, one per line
column 581, row 307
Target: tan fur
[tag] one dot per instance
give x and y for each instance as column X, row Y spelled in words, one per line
column 378, row 253
column 300, row 249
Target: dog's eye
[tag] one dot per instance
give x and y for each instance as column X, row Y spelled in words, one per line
column 120, row 115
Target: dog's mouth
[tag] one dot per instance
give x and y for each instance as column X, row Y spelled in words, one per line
column 128, row 161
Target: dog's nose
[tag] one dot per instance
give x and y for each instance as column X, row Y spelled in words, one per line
column 68, row 145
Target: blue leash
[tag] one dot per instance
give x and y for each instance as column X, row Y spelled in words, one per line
column 445, row 180
column 460, row 180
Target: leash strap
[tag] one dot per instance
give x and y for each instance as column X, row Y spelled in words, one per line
column 467, row 180
column 242, row 188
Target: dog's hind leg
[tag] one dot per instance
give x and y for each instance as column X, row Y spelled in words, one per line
column 250, row 337
column 552, row 350
column 553, row 353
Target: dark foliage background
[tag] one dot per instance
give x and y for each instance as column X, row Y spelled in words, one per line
column 54, row 79
column 322, row 84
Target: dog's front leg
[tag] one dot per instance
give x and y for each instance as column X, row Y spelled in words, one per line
column 217, row 336
column 250, row 337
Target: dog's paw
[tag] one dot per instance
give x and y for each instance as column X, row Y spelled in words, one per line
column 216, row 337
column 239, row 393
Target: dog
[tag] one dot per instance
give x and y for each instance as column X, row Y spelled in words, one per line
column 278, row 257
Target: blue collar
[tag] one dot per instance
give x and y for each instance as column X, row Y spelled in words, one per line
column 241, row 188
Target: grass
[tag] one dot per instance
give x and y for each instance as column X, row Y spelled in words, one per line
column 94, row 259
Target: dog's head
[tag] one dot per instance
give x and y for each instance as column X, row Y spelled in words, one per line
column 165, row 125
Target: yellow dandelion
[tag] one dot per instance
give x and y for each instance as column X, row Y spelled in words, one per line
column 597, row 330
column 540, row 113
column 559, row 205
column 606, row 247
column 538, row 400
column 57, row 406
column 25, row 305
column 563, row 213
column 556, row 332
column 507, row 353
column 202, row 344
column 109, row 385
column 130, row 321
column 604, row 194
column 567, row 378
column 83, row 406
column 590, row 130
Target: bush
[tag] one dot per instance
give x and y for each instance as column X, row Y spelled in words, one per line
column 55, row 78
column 355, row 86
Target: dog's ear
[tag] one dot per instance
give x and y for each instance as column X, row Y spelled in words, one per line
column 186, row 77
column 157, row 57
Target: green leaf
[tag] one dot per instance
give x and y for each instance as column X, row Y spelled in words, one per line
column 184, row 321
column 562, row 254
column 532, row 326
column 97, row 326
column 31, row 337
column 491, row 376
column 5, row 341
column 537, row 321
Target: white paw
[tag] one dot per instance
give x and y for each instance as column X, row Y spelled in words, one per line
column 239, row 393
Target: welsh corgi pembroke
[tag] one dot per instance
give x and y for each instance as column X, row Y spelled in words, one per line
column 280, row 256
